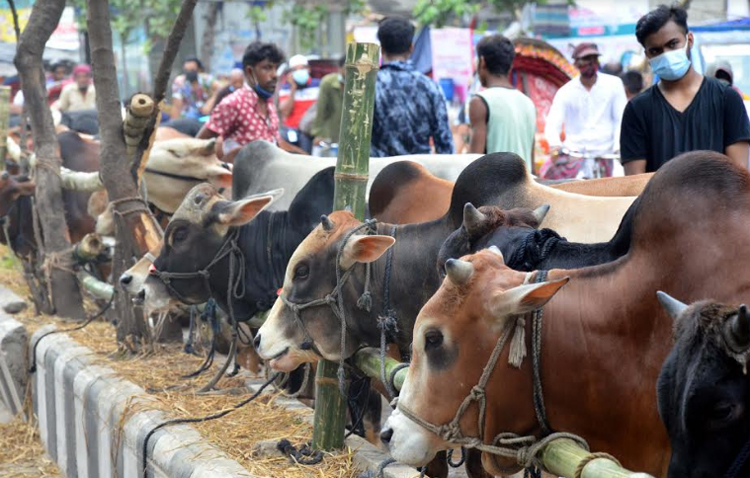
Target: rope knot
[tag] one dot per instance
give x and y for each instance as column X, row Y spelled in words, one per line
column 365, row 301
column 477, row 392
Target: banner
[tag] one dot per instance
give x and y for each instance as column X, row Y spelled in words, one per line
column 452, row 53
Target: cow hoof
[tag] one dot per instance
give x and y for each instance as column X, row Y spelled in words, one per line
column 15, row 307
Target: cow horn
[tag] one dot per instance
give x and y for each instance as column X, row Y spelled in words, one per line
column 496, row 251
column 541, row 212
column 739, row 325
column 472, row 218
column 673, row 306
column 326, row 223
column 459, row 272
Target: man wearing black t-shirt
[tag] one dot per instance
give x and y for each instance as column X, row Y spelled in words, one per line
column 685, row 111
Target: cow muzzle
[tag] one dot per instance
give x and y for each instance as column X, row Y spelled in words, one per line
column 278, row 346
column 407, row 442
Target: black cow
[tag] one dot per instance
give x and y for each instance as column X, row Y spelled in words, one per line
column 524, row 247
column 704, row 390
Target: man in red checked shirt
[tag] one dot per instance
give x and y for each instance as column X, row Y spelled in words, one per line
column 249, row 114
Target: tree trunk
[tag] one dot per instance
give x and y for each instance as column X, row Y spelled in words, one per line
column 209, row 34
column 134, row 228
column 123, row 59
column 45, row 15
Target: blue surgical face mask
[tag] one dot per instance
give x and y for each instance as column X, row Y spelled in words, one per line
column 301, row 76
column 671, row 65
column 263, row 93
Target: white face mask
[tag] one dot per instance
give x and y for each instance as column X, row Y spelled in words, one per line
column 671, row 65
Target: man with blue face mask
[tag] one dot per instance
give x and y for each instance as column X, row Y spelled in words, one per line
column 296, row 96
column 684, row 111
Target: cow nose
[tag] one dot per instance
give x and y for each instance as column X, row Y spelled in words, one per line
column 126, row 279
column 386, row 435
column 256, row 342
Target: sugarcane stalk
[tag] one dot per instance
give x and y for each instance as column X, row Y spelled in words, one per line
column 368, row 361
column 562, row 457
column 4, row 118
column 350, row 184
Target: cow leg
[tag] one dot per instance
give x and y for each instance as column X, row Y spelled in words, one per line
column 438, row 467
column 473, row 464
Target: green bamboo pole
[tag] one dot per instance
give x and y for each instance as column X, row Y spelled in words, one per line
column 351, row 182
column 4, row 119
column 97, row 288
column 368, row 361
column 562, row 457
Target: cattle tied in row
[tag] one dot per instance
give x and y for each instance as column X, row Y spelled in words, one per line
column 604, row 336
column 311, row 275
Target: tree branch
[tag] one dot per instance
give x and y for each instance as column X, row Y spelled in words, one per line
column 172, row 48
column 13, row 11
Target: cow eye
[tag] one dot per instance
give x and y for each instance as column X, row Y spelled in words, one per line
column 179, row 235
column 301, row 272
column 722, row 413
column 433, row 339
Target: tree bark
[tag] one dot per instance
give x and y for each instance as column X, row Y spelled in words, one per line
column 135, row 229
column 209, row 34
column 45, row 15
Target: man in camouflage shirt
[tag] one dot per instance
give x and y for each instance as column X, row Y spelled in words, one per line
column 409, row 106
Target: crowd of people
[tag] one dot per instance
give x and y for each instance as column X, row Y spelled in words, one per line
column 602, row 111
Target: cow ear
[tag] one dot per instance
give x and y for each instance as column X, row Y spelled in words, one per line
column 524, row 299
column 364, row 249
column 220, row 179
column 237, row 213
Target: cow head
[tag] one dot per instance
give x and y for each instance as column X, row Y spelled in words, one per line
column 703, row 389
column 135, row 281
column 311, row 275
column 191, row 157
column 11, row 188
column 197, row 231
column 454, row 336
column 489, row 225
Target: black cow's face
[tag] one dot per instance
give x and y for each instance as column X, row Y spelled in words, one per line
column 196, row 234
column 310, row 276
column 704, row 394
column 489, row 226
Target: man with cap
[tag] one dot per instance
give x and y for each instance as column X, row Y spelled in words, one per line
column 298, row 94
column 589, row 108
column 79, row 95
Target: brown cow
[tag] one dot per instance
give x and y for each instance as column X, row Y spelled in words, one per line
column 405, row 192
column 604, row 336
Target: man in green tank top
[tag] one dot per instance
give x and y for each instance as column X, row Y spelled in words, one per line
column 502, row 118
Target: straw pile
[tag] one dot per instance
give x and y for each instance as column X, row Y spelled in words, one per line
column 22, row 454
column 159, row 372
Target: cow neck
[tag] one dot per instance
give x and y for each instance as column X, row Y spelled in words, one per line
column 545, row 249
column 632, row 337
column 268, row 244
column 413, row 280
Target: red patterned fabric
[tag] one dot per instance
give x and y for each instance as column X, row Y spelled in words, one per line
column 237, row 118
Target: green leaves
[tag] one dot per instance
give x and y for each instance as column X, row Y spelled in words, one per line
column 157, row 16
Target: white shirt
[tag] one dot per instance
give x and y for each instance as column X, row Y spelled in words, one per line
column 591, row 118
